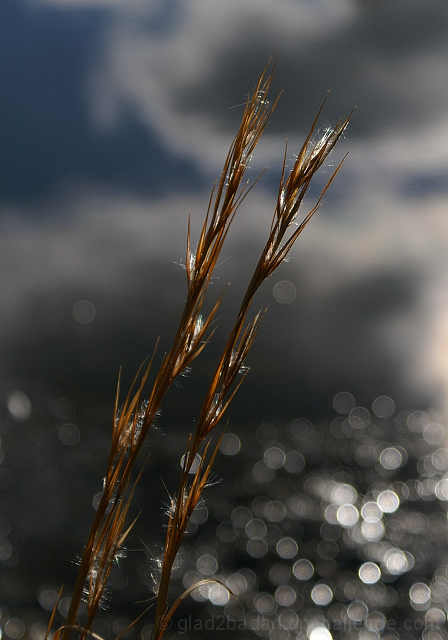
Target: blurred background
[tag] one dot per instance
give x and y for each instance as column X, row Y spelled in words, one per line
column 115, row 120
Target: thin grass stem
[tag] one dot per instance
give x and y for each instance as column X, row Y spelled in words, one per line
column 134, row 419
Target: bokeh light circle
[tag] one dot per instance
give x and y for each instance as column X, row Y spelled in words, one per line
column 369, row 573
column 84, row 311
column 391, row 458
column 230, row 444
column 388, row 501
column 357, row 611
column 285, row 596
column 19, row 405
column 347, row 515
column 320, row 633
column 303, row 569
column 420, row 596
column 287, row 548
column 69, row 434
column 322, row 594
column 274, row 457
column 344, row 402
column 284, row 292
column 383, row 407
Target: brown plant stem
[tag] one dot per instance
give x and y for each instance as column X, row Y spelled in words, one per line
column 223, row 387
column 134, row 419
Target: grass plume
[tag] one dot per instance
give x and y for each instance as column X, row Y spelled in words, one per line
column 134, row 418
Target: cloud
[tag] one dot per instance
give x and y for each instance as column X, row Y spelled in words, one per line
column 369, row 277
column 181, row 75
column 188, row 83
column 368, row 315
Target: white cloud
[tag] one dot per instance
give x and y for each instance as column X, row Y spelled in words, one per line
column 152, row 71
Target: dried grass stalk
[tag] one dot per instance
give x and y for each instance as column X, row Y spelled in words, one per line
column 134, row 419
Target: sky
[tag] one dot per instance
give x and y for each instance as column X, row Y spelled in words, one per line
column 115, row 121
